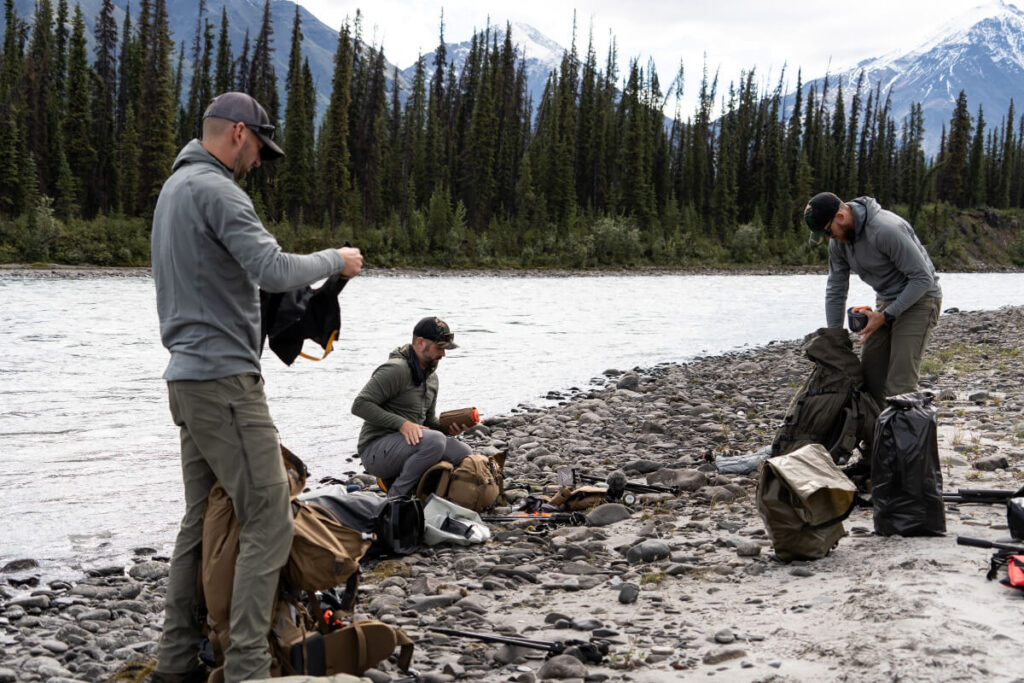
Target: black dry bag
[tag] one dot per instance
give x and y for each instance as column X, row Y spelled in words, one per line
column 906, row 482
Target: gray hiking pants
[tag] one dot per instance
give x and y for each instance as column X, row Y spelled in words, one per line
column 390, row 457
column 891, row 357
column 227, row 436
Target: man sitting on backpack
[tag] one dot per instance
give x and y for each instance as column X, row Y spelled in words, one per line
column 883, row 250
column 401, row 437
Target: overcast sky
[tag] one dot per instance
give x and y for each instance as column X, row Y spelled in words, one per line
column 733, row 34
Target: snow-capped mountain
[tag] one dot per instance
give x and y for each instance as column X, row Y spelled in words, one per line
column 542, row 55
column 980, row 52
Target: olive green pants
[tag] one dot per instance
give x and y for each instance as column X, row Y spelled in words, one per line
column 891, row 357
column 227, row 436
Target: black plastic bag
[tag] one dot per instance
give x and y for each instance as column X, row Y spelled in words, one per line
column 906, row 482
column 1015, row 517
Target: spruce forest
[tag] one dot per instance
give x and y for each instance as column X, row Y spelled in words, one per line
column 464, row 169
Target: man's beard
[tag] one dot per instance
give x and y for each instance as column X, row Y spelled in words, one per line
column 239, row 167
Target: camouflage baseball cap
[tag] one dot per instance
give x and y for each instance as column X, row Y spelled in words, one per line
column 437, row 331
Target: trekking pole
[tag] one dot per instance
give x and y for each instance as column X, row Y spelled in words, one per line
column 982, row 543
column 570, row 518
column 635, row 488
column 982, row 496
column 592, row 652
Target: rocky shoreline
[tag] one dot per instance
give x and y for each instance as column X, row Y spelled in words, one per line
column 683, row 587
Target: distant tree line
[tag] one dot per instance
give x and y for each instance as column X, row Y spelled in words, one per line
column 464, row 169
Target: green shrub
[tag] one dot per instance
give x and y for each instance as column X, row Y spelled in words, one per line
column 748, row 244
column 616, row 242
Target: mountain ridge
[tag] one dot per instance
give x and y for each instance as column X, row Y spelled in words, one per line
column 980, row 51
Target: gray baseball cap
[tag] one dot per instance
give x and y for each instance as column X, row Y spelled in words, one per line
column 243, row 108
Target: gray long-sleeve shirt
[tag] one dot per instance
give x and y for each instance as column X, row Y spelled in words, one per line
column 887, row 255
column 211, row 254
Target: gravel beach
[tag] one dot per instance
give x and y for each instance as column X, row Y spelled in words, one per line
column 683, row 587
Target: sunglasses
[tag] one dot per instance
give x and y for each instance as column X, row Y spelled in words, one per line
column 264, row 130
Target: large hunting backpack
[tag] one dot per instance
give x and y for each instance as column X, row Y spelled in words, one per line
column 475, row 484
column 831, row 408
column 324, row 555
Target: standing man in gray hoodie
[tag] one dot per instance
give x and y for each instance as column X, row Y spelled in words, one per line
column 884, row 251
column 211, row 254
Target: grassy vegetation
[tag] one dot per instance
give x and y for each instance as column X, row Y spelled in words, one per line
column 965, row 240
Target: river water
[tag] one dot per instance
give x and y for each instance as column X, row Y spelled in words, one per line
column 89, row 466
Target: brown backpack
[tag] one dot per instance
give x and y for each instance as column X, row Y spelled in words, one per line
column 324, row 554
column 304, row 643
column 579, row 498
column 475, row 484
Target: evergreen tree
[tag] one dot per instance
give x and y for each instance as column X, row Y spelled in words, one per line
column 129, row 90
column 242, row 66
column 262, row 85
column 129, row 73
column 700, row 169
column 224, row 75
column 78, row 124
column 262, row 81
column 562, row 191
column 156, row 105
column 848, row 185
column 412, row 157
column 976, row 171
column 200, row 90
column 954, row 172
column 778, row 202
column 912, row 171
column 102, row 183
column 478, row 187
column 587, row 132
column 296, row 168
column 1001, row 197
column 369, row 118
column 882, row 151
column 864, row 186
column 16, row 171
column 836, row 172
column 182, row 127
column 42, row 101
column 793, row 141
column 438, row 126
column 723, row 207
column 335, row 175
column 509, row 98
column 60, row 50
column 636, row 151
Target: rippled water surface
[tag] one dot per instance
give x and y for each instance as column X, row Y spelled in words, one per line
column 89, row 463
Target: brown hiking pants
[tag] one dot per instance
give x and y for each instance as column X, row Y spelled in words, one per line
column 227, row 435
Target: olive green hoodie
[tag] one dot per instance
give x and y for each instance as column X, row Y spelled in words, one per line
column 391, row 397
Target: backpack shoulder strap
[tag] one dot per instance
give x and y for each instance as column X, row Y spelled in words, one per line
column 435, row 480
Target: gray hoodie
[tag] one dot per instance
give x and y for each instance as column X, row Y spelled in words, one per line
column 887, row 255
column 211, row 254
